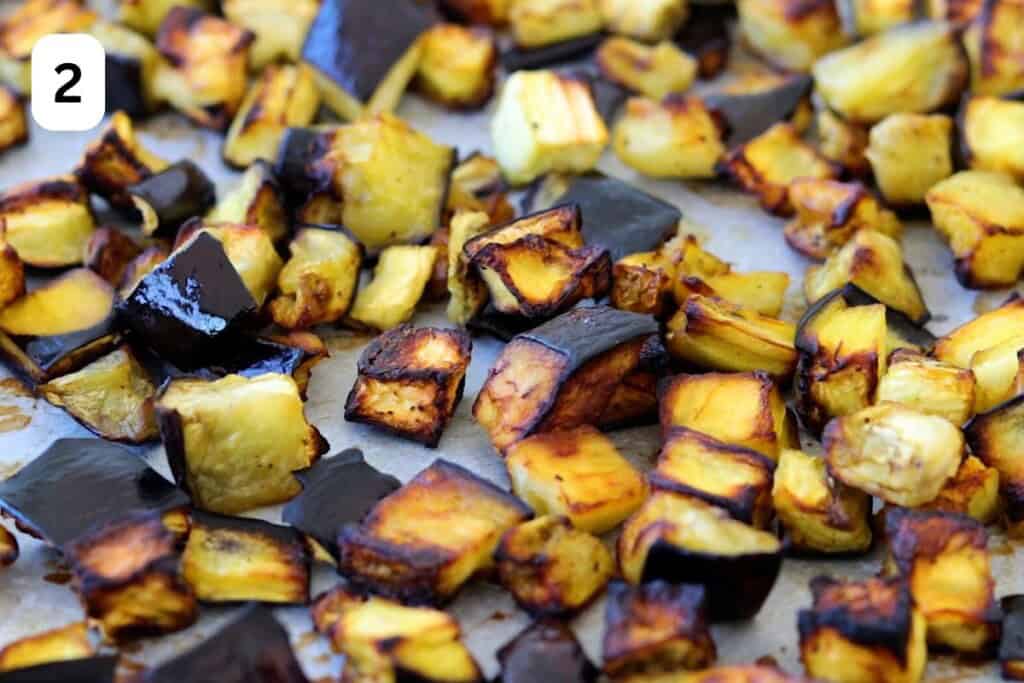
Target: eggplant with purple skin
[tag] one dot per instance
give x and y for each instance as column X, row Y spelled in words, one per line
column 705, row 36
column 117, row 160
column 298, row 151
column 1011, row 644
column 132, row 62
column 749, row 114
column 108, row 253
column 174, row 195
column 517, row 58
column 257, row 200
column 98, row 669
column 546, row 651
column 48, row 222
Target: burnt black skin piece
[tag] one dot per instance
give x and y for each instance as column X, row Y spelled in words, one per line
column 491, row 321
column 100, row 669
column 176, row 194
column 124, row 85
column 750, row 114
column 336, row 491
column 254, row 648
column 298, row 146
column 546, row 651
column 79, row 485
column 247, row 356
column 705, row 36
column 190, row 305
column 516, row 59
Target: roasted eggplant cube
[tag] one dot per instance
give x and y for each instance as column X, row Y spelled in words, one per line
column 108, row 253
column 59, row 327
column 676, row 138
column 789, row 34
column 128, row 578
column 653, row 71
column 12, row 273
column 410, row 381
column 930, row 386
column 990, row 131
column 66, row 643
column 318, row 283
column 117, row 160
column 456, row 68
column 545, row 651
column 257, row 200
column 232, row 559
column 172, row 196
column 680, row 539
column 538, row 23
column 994, row 49
column 752, row 107
column 13, row 124
column 843, row 142
column 131, row 66
column 909, row 154
column 921, row 453
column 996, row 371
column 248, row 248
column 767, row 164
column 829, row 213
column 233, row 443
column 647, row 21
column 29, row 21
column 642, row 283
column 467, row 293
column 973, row 491
column 741, row 409
column 173, row 308
column 862, row 631
column 762, row 292
column 995, row 438
column 399, row 280
column 424, row 541
column 944, row 559
column 355, row 69
column 476, row 184
column 280, row 27
column 561, row 225
column 282, row 97
column 206, row 61
column 546, row 122
column 655, row 630
column 916, row 68
column 112, row 396
column 987, row 239
column 145, row 16
column 1011, row 644
column 988, row 330
column 48, row 222
column 551, row 568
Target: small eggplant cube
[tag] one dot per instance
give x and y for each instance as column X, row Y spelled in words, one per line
column 399, row 281
column 424, row 541
column 676, row 138
column 648, row 21
column 551, row 568
column 467, row 293
column 67, row 643
column 843, row 142
column 139, row 267
column 318, row 283
column 653, row 71
column 788, row 34
column 13, row 123
column 829, row 213
column 48, row 222
column 249, row 250
column 973, row 492
column 995, row 438
column 576, row 473
column 909, row 154
column 545, row 651
column 655, row 631
column 132, row 61
column 642, row 283
column 280, row 27
column 128, row 577
column 863, row 631
column 988, row 330
column 456, row 68
column 258, row 199
column 116, row 161
column 170, row 197
column 410, row 381
column 991, row 129
column 537, row 23
column 994, row 49
column 930, row 386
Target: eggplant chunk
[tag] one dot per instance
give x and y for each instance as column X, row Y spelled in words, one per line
column 751, row 107
column 680, row 539
column 357, row 71
column 232, row 559
column 676, row 138
column 131, row 67
column 172, row 196
column 874, row 262
column 410, row 381
column 653, row 71
column 973, row 491
column 139, row 267
column 988, row 330
column 916, row 68
column 930, row 386
column 862, row 631
column 646, row 21
column 248, row 248
column 456, row 68
column 981, row 215
column 895, row 453
column 843, row 142
column 29, row 21
column 561, row 374
column 108, row 253
column 992, row 134
column 94, row 669
column 546, row 122
column 551, row 568
column 705, row 36
column 576, row 473
column 545, row 651
column 59, row 327
column 12, row 273
column 399, row 280
column 283, row 96
column 280, row 27
column 386, row 641
column 767, row 164
column 256, row 200
column 67, row 643
column 538, row 23
column 128, row 577
column 13, row 123
column 715, row 334
column 117, row 160
column 829, row 213
column 996, row 371
column 9, row 552
column 486, row 12
column 789, row 33
column 992, row 43
column 476, row 184
column 909, row 154
column 996, row 437
column 252, row 648
column 112, row 396
column 173, row 308
column 145, row 16
column 467, row 293
column 318, row 283
column 206, row 60
column 424, row 541
column 642, row 283
column 655, row 631
column 48, row 222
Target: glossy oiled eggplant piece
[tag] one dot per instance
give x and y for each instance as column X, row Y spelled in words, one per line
column 862, row 630
column 318, row 283
column 571, row 366
column 13, row 123
column 59, row 327
column 249, row 250
column 128, row 577
column 992, row 42
column 749, row 114
column 1011, row 644
column 790, row 34
column 909, row 154
column 996, row 438
column 115, row 161
column 71, row 642
column 676, row 138
column 190, row 304
column 169, row 198
column 29, row 21
column 456, row 68
column 280, row 27
column 232, row 559
column 98, row 669
column 257, row 200
column 930, row 386
column 253, row 648
column 545, row 651
column 829, row 213
column 679, row 539
column 410, row 381
column 705, row 36
column 355, row 68
column 9, row 549
column 406, row 548
column 991, row 131
column 399, row 280
column 132, row 62
column 293, row 354
column 653, row 71
column 233, row 443
column 108, row 253
column 48, row 222
column 336, row 491
column 655, row 631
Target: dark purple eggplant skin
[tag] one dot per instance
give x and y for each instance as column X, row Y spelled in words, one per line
column 190, row 305
column 517, row 59
column 48, row 351
column 1011, row 644
column 179, row 192
column 246, row 356
column 736, row 585
column 99, row 669
column 336, row 491
column 125, row 85
column 626, row 604
column 298, row 147
column 254, row 648
column 492, row 322
column 705, row 36
column 750, row 114
column 546, row 651
column 355, row 43
column 79, row 485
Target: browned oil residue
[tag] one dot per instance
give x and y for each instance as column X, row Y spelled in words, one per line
column 348, row 342
column 15, row 387
column 306, row 639
column 12, row 419
column 59, row 577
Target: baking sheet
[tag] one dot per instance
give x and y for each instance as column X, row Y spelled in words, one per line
column 32, row 597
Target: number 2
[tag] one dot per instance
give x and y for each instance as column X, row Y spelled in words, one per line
column 62, row 95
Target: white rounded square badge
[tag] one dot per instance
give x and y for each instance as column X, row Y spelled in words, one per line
column 68, row 82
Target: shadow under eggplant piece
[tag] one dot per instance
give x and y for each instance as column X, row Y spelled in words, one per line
column 749, row 114
column 545, row 651
column 100, row 669
column 517, row 58
column 705, row 36
column 169, row 198
column 95, row 482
